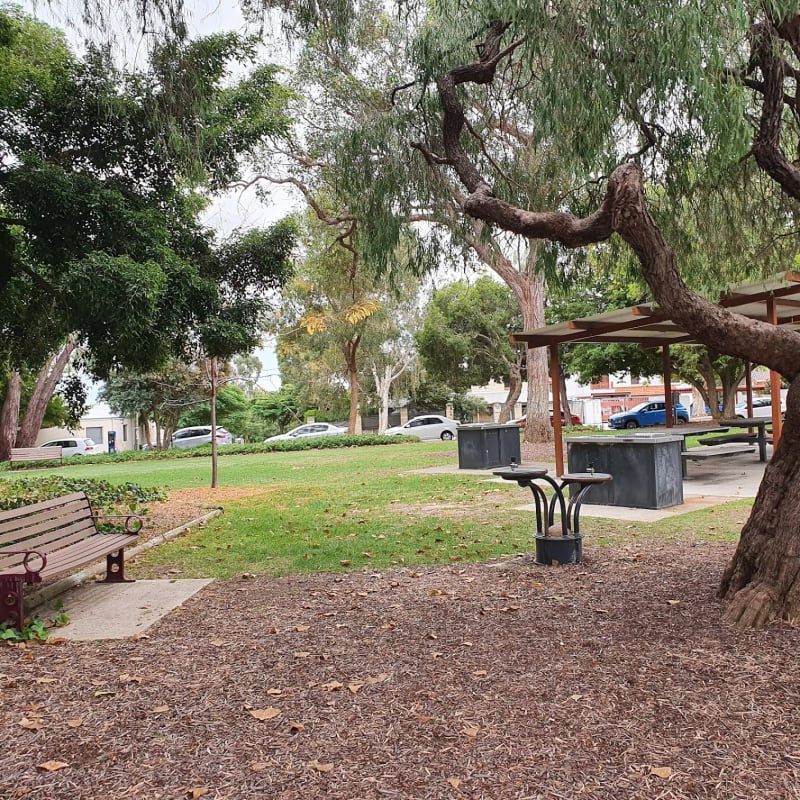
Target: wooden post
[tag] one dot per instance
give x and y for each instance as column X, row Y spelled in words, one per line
column 748, row 383
column 555, row 387
column 666, row 367
column 774, row 381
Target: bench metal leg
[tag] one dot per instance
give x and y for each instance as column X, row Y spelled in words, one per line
column 115, row 568
column 12, row 611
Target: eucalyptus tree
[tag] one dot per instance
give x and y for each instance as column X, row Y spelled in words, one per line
column 674, row 77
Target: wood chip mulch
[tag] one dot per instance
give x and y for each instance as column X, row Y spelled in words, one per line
column 609, row 679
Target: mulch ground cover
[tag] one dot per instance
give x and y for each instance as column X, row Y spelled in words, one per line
column 609, row 679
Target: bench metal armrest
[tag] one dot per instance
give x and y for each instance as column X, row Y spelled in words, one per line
column 31, row 575
column 133, row 522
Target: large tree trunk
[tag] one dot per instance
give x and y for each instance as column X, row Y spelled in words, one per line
column 9, row 415
column 46, row 383
column 762, row 580
column 350, row 350
column 514, row 392
column 531, row 302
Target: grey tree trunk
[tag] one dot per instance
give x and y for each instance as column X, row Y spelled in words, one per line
column 9, row 415
column 46, row 383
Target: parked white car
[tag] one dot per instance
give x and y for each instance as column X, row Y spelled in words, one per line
column 309, row 430
column 74, row 446
column 762, row 407
column 197, row 435
column 427, row 427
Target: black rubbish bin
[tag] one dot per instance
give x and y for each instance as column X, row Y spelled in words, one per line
column 486, row 445
column 646, row 468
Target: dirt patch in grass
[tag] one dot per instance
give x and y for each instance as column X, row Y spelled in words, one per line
column 611, row 679
column 186, row 505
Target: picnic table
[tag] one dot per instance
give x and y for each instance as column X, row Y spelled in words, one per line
column 751, row 422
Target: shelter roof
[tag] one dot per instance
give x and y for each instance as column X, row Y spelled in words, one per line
column 647, row 325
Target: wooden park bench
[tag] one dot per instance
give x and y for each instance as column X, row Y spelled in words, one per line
column 21, row 454
column 48, row 539
column 702, row 453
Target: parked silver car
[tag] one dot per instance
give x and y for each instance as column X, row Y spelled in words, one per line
column 427, row 427
column 308, row 430
column 197, row 435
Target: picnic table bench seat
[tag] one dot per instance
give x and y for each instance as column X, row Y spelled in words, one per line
column 47, row 539
column 25, row 454
column 702, row 453
column 728, row 438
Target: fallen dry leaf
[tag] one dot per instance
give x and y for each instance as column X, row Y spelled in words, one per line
column 74, row 723
column 126, row 678
column 472, row 731
column 52, row 766
column 217, row 642
column 302, row 654
column 46, row 680
column 30, row 724
column 265, row 713
column 332, row 686
column 661, row 772
column 161, row 709
column 316, row 765
column 200, row 791
column 296, row 727
column 302, row 628
column 454, row 782
column 258, row 766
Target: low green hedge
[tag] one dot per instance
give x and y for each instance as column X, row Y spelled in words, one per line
column 102, row 494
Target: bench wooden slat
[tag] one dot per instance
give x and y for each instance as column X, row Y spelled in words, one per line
column 25, row 526
column 19, row 454
column 77, row 555
column 42, row 505
column 699, row 454
column 63, row 537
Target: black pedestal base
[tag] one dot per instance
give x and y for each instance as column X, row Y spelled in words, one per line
column 555, row 550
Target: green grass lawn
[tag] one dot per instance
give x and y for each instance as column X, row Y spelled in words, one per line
column 361, row 507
